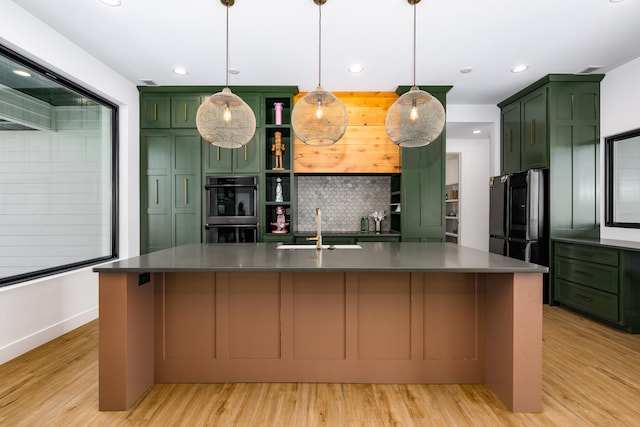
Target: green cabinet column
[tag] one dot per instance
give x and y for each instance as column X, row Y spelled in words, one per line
column 171, row 190
column 423, row 184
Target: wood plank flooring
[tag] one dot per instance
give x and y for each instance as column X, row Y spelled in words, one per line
column 591, row 377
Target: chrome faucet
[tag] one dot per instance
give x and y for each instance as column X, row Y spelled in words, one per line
column 318, row 237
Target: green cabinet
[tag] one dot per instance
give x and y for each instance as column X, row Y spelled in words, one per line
column 246, row 159
column 598, row 280
column 423, row 184
column 511, row 138
column 171, row 189
column 184, row 109
column 555, row 124
column 524, row 133
column 155, row 112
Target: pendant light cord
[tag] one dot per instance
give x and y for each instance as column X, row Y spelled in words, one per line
column 319, row 43
column 226, row 71
column 414, row 44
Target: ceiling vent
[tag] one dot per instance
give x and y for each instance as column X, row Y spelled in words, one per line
column 590, row 69
column 149, row 82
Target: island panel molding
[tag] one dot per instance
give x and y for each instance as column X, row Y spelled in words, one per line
column 387, row 313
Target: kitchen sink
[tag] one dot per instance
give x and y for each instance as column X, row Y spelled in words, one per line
column 330, row 247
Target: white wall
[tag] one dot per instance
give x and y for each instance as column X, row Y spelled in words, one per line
column 620, row 112
column 33, row 313
column 474, row 190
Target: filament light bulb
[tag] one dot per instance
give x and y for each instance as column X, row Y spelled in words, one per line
column 226, row 114
column 413, row 114
column 319, row 110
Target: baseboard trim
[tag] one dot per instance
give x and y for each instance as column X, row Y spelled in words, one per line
column 25, row 344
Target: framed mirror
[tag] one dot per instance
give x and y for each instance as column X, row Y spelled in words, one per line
column 622, row 180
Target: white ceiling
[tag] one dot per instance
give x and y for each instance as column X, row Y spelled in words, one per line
column 275, row 42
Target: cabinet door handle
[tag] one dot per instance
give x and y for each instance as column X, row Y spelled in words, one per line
column 533, row 132
column 185, row 112
column 218, row 153
column 155, row 191
column 584, row 297
column 509, row 138
column 572, row 105
column 583, row 273
column 186, row 199
column 586, row 254
column 245, row 153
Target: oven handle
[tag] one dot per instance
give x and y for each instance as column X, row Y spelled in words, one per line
column 210, row 186
column 210, row 226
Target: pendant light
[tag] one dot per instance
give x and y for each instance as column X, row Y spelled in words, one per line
column 416, row 118
column 224, row 119
column 319, row 118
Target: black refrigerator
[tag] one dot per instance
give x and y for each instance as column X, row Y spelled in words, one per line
column 517, row 216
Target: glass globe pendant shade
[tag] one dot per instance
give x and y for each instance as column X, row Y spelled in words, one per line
column 225, row 120
column 416, row 119
column 319, row 118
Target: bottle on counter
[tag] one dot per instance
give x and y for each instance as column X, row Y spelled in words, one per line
column 364, row 223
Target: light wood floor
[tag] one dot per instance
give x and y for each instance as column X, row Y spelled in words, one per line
column 591, row 377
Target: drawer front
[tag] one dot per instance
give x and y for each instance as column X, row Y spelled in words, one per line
column 597, row 276
column 588, row 253
column 593, row 301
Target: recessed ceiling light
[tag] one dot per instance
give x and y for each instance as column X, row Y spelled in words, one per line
column 355, row 68
column 519, row 68
column 234, row 71
column 477, row 131
column 113, row 3
column 180, row 71
column 616, row 1
column 466, row 70
column 21, row 73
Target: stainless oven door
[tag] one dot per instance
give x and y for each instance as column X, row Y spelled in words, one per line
column 231, row 233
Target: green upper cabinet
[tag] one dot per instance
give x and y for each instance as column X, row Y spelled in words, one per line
column 241, row 160
column 183, row 110
column 559, row 129
column 534, row 130
column 511, row 138
column 423, row 184
column 155, row 112
column 524, row 133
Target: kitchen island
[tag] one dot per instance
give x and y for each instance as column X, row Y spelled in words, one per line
column 384, row 313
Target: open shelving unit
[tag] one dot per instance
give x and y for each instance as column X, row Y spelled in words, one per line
column 274, row 171
column 452, row 198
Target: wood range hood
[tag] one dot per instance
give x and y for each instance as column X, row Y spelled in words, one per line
column 365, row 147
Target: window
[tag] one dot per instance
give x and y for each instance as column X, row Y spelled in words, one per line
column 58, row 173
column 622, row 175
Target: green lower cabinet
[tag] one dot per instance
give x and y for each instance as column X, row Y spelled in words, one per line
column 600, row 281
column 170, row 169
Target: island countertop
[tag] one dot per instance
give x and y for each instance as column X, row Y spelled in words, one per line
column 397, row 257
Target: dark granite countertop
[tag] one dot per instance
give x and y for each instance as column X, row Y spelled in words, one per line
column 610, row 243
column 395, row 257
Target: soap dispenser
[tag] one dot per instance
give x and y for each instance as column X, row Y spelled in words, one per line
column 364, row 223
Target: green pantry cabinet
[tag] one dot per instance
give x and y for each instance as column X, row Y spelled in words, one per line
column 422, row 213
column 175, row 161
column 554, row 124
column 601, row 279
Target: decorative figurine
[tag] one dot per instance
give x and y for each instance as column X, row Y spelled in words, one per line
column 278, row 148
column 281, row 222
column 279, row 195
column 278, row 107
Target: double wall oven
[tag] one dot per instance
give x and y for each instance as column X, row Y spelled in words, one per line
column 232, row 209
